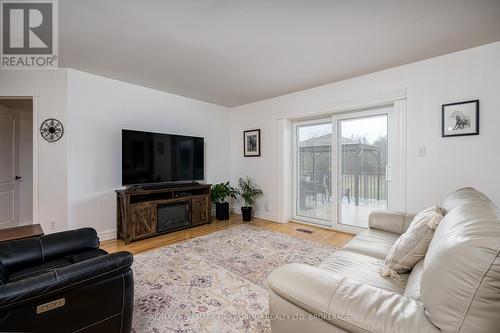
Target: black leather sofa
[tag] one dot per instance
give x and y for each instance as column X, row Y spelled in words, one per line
column 63, row 282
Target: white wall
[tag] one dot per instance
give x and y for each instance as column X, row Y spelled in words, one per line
column 98, row 109
column 450, row 163
column 77, row 176
column 49, row 88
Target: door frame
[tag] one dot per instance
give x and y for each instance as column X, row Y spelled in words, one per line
column 33, row 95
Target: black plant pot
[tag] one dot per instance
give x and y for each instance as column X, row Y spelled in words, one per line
column 246, row 212
column 222, row 210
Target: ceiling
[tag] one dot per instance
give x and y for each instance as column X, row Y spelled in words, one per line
column 25, row 104
column 233, row 52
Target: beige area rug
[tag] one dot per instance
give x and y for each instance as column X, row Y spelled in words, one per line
column 214, row 283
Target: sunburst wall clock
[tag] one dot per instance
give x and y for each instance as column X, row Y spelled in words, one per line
column 51, row 130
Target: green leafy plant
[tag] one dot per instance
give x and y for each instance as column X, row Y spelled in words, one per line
column 219, row 192
column 248, row 191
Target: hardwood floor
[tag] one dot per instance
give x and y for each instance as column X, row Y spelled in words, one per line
column 320, row 235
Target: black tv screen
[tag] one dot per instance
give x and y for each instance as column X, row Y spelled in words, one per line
column 156, row 158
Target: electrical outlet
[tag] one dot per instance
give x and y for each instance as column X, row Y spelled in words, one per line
column 52, row 225
column 268, row 206
column 421, row 151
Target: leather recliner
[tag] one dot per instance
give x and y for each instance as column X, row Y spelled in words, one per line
column 63, row 282
column 455, row 288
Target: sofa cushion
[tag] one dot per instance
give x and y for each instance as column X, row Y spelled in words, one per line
column 362, row 268
column 56, row 263
column 372, row 242
column 461, row 276
column 71, row 241
column 349, row 305
column 17, row 255
column 85, row 255
column 38, row 269
column 3, row 274
column 463, row 196
column 412, row 289
column 391, row 221
column 411, row 246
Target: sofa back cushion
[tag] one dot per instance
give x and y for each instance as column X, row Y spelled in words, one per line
column 460, row 283
column 412, row 289
column 20, row 254
column 68, row 242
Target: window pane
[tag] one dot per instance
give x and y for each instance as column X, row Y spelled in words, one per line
column 363, row 154
column 314, row 170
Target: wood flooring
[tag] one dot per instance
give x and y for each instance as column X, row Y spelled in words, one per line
column 321, row 235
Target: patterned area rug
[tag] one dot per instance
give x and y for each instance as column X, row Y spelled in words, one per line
column 214, row 283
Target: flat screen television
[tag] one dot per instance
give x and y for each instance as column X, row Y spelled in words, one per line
column 160, row 158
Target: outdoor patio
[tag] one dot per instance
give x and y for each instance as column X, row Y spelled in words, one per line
column 362, row 179
column 350, row 213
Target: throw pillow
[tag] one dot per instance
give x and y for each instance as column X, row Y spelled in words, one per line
column 412, row 245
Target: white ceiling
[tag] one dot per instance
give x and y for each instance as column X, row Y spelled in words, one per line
column 25, row 104
column 233, row 52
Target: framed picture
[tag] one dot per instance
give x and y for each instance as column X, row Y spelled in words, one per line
column 251, row 143
column 461, row 118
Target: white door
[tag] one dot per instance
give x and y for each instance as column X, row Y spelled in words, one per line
column 366, row 153
column 9, row 187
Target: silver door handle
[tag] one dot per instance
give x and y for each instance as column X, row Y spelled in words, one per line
column 388, row 173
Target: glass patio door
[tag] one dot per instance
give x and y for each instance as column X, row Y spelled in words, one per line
column 346, row 166
column 313, row 170
column 362, row 158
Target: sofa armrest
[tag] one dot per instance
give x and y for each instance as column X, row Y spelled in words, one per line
column 347, row 303
column 82, row 273
column 390, row 221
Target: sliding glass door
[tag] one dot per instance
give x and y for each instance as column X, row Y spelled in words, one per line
column 313, row 165
column 343, row 167
column 362, row 156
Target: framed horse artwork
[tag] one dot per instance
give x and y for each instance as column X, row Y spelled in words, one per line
column 459, row 119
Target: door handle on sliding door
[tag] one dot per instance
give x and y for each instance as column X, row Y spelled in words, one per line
column 388, row 173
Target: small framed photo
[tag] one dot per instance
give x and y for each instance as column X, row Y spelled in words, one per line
column 251, row 143
column 460, row 119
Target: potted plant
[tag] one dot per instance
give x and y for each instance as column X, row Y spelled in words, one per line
column 219, row 193
column 248, row 192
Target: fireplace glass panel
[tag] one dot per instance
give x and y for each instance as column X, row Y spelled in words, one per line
column 173, row 216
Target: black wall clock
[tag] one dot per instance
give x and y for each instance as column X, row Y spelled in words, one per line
column 51, row 130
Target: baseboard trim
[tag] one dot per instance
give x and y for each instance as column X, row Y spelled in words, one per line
column 259, row 215
column 22, row 223
column 111, row 234
column 107, row 235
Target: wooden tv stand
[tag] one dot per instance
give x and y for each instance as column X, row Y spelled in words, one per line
column 137, row 210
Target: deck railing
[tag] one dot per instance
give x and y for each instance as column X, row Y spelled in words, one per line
column 363, row 187
column 367, row 187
